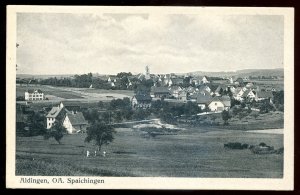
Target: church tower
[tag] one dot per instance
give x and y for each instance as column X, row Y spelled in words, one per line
column 147, row 75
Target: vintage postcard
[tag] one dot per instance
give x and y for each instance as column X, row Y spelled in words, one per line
column 150, row 97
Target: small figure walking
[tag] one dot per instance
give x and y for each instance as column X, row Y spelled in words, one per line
column 95, row 153
column 104, row 153
column 87, row 153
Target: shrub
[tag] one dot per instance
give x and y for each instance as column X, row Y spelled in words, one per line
column 262, row 144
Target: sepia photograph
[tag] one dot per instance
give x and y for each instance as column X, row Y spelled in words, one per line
column 150, row 97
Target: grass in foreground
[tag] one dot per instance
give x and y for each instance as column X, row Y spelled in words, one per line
column 193, row 152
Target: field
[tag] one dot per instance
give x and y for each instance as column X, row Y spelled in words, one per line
column 80, row 94
column 271, row 120
column 190, row 153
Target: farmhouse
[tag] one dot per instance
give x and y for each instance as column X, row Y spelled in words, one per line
column 34, row 94
column 159, row 92
column 219, row 103
column 141, row 101
column 203, row 100
column 238, row 93
column 248, row 94
column 75, row 122
column 263, row 95
column 175, row 90
column 55, row 114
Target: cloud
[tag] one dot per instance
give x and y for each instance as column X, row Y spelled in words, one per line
column 110, row 43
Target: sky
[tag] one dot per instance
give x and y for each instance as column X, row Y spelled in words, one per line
column 66, row 43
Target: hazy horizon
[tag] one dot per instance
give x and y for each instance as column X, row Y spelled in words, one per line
column 134, row 73
column 60, row 43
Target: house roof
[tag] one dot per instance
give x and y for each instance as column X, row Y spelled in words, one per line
column 34, row 90
column 203, row 99
column 226, row 100
column 175, row 88
column 54, row 112
column 190, row 89
column 143, row 97
column 245, row 94
column 219, row 88
column 264, row 94
column 177, row 81
column 77, row 118
column 203, row 88
column 207, row 78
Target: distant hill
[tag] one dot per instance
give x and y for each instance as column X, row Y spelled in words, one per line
column 26, row 76
column 241, row 73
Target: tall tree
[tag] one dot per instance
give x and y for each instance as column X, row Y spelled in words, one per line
column 57, row 131
column 101, row 133
column 225, row 116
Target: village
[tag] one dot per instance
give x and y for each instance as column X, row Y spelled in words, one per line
column 209, row 96
column 145, row 109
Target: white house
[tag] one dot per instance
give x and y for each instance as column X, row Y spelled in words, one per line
column 54, row 115
column 238, row 95
column 248, row 94
column 219, row 104
column 175, row 90
column 141, row 101
column 75, row 122
column 34, row 94
column 205, row 80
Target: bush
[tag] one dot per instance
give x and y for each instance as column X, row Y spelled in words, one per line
column 236, row 145
column 262, row 144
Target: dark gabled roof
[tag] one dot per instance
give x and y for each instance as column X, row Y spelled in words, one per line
column 177, row 81
column 226, row 100
column 203, row 88
column 223, row 87
column 34, row 90
column 77, row 118
column 160, row 90
column 264, row 94
column 54, row 112
column 143, row 97
column 203, row 99
column 175, row 88
column 245, row 94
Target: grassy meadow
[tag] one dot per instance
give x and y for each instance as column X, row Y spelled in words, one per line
column 189, row 153
column 81, row 94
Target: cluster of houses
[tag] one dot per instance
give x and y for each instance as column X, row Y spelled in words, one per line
column 67, row 115
column 205, row 92
column 208, row 95
column 72, row 120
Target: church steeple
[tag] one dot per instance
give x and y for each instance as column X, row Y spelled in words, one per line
column 147, row 73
